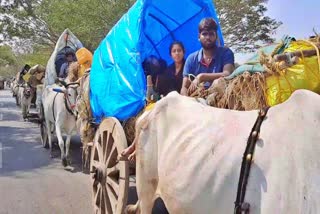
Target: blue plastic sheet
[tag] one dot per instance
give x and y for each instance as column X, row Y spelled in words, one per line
column 117, row 80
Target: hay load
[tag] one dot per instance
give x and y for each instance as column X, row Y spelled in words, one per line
column 244, row 92
column 35, row 75
column 269, row 78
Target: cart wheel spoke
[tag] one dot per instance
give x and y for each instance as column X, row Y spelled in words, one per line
column 110, row 145
column 104, row 141
column 113, row 171
column 113, row 184
column 113, row 198
column 97, row 195
column 110, row 142
column 99, row 149
column 112, row 157
column 101, row 199
column 107, row 204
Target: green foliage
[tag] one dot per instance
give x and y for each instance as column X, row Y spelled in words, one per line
column 8, row 71
column 11, row 64
column 8, row 62
column 89, row 21
column 40, row 55
column 244, row 23
column 43, row 21
column 245, row 26
column 7, row 57
column 20, row 20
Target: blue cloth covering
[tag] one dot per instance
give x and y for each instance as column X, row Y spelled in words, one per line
column 117, row 80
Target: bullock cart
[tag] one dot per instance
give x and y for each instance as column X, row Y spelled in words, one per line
column 118, row 85
column 67, row 42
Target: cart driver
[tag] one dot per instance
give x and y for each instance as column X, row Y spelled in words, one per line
column 64, row 67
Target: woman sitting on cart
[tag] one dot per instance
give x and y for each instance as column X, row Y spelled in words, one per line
column 162, row 80
column 171, row 79
column 165, row 82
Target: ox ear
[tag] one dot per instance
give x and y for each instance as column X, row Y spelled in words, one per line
column 59, row 90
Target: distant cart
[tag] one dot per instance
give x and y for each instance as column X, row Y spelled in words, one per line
column 66, row 42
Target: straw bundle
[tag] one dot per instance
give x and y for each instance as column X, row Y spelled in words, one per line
column 84, row 119
column 129, row 127
column 73, row 72
column 244, row 92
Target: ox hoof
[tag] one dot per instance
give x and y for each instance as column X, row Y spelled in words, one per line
column 64, row 162
column 69, row 161
column 132, row 209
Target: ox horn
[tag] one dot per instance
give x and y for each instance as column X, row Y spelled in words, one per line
column 63, row 83
column 73, row 83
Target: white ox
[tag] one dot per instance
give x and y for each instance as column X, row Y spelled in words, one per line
column 60, row 115
column 190, row 155
column 25, row 95
column 15, row 91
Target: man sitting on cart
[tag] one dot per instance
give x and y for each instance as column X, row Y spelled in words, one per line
column 64, row 67
column 209, row 63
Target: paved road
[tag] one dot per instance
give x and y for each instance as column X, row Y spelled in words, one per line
column 30, row 181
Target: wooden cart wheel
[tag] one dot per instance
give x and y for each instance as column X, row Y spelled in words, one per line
column 110, row 178
column 43, row 129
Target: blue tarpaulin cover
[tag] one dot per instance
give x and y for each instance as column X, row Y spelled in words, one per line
column 117, row 80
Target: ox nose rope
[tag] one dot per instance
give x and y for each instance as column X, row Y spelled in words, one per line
column 66, row 101
column 240, row 205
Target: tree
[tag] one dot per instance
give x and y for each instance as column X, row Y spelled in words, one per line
column 20, row 20
column 8, row 61
column 7, row 57
column 42, row 21
column 244, row 23
column 40, row 55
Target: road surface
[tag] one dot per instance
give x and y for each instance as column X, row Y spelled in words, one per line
column 30, row 181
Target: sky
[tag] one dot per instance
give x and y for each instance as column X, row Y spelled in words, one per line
column 299, row 17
